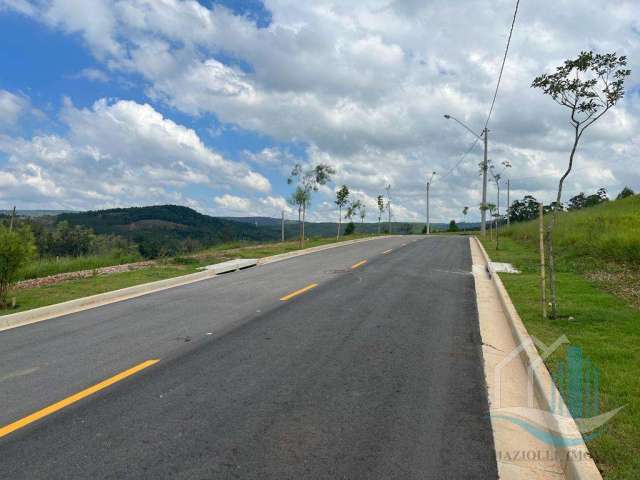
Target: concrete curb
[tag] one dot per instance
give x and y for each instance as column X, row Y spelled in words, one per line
column 14, row 320
column 582, row 468
column 306, row 251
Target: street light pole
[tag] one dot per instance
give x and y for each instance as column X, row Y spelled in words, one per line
column 428, row 225
column 485, row 165
column 388, row 189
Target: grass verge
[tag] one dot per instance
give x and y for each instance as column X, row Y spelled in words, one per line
column 606, row 327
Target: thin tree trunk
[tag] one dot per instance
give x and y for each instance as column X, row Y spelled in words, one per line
column 304, row 212
column 300, row 226
column 339, row 223
column 552, row 224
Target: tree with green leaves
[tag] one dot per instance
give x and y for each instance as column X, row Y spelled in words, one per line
column 626, row 192
column 17, row 247
column 465, row 210
column 453, row 226
column 588, row 86
column 307, row 181
column 380, row 211
column 342, row 198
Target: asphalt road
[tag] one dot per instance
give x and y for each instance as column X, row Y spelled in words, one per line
column 374, row 373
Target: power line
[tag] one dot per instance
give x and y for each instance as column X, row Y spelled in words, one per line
column 462, row 157
column 504, row 60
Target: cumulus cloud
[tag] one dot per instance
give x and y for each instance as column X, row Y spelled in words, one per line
column 364, row 84
column 12, row 107
column 118, row 153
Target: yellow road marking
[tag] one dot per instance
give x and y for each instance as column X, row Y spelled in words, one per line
column 359, row 264
column 23, row 422
column 298, row 292
column 387, row 251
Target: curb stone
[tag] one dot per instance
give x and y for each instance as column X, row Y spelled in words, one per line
column 545, row 389
column 14, row 320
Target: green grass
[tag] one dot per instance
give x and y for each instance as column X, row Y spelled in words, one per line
column 29, row 298
column 51, row 266
column 606, row 328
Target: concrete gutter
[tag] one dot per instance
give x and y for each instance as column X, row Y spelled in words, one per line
column 49, row 312
column 578, row 467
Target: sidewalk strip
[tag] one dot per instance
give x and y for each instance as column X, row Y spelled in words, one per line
column 23, row 422
column 298, row 292
column 359, row 264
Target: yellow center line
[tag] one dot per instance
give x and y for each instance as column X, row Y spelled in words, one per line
column 23, row 422
column 387, row 251
column 298, row 292
column 359, row 264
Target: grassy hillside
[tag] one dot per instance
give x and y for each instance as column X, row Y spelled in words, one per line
column 607, row 232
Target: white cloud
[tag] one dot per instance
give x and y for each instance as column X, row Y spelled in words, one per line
column 118, row 154
column 364, row 84
column 93, row 74
column 232, row 205
column 12, row 107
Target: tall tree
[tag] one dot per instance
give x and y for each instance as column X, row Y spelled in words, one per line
column 307, row 182
column 588, row 87
column 380, row 211
column 342, row 197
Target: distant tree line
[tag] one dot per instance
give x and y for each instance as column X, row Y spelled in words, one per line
column 528, row 208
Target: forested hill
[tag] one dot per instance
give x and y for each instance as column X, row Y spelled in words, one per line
column 171, row 229
column 168, row 227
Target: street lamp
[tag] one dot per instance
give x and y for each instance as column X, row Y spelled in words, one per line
column 428, row 186
column 483, row 207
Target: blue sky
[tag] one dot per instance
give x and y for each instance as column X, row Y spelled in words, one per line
column 210, row 104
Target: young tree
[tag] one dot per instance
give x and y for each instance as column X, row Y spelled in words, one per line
column 353, row 208
column 307, row 182
column 465, row 210
column 342, row 197
column 17, row 247
column 453, row 226
column 491, row 207
column 588, row 87
column 380, row 211
column 362, row 212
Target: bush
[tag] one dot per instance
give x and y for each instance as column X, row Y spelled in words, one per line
column 17, row 247
column 350, row 229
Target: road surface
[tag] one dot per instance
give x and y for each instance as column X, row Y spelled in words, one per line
column 362, row 361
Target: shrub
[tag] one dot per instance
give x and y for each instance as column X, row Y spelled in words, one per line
column 17, row 247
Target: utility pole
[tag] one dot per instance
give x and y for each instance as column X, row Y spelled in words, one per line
column 484, row 136
column 485, row 166
column 388, row 189
column 508, row 202
column 282, row 227
column 498, row 214
column 428, row 229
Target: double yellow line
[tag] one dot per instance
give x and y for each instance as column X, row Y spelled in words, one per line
column 34, row 417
